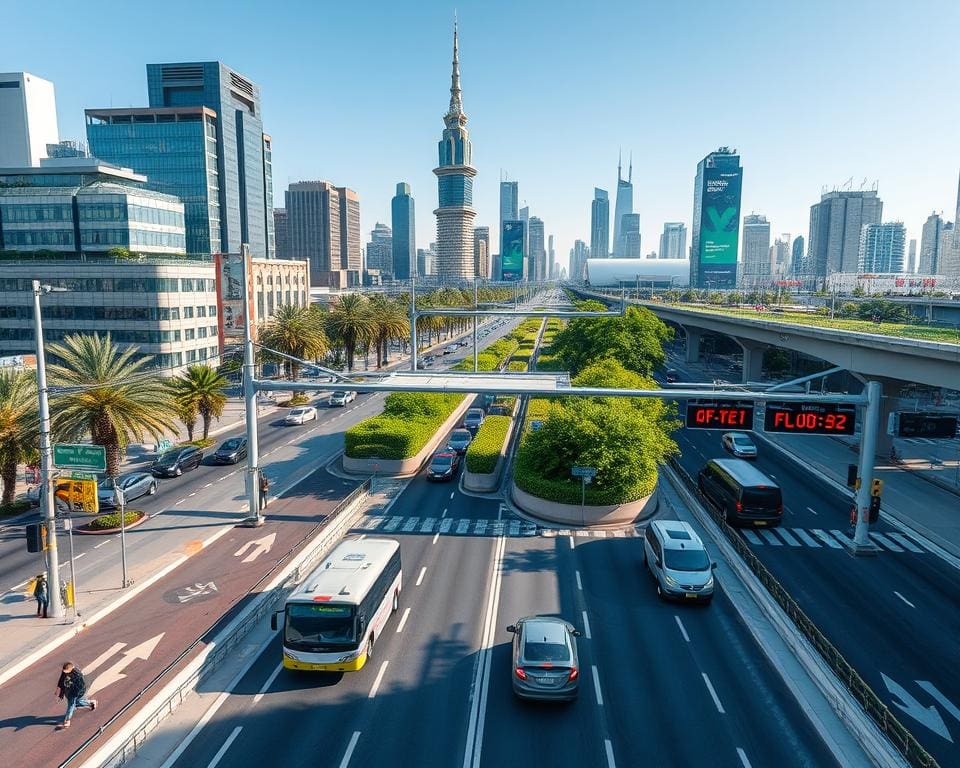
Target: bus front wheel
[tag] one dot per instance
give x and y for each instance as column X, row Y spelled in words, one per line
column 370, row 648
column 396, row 601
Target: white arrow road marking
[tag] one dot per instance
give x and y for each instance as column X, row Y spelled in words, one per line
column 928, row 716
column 197, row 590
column 942, row 700
column 116, row 672
column 259, row 547
column 97, row 662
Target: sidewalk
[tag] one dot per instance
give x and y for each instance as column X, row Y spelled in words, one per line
column 936, row 461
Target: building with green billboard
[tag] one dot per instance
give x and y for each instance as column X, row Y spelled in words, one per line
column 716, row 220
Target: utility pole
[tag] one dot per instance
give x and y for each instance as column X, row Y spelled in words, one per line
column 254, row 518
column 476, row 305
column 862, row 545
column 46, row 462
column 413, row 323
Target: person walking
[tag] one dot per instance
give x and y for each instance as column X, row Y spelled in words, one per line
column 264, row 489
column 42, row 593
column 73, row 688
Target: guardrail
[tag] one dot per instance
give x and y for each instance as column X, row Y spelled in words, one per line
column 903, row 741
column 260, row 607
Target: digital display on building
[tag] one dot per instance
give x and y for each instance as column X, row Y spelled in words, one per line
column 810, row 418
column 709, row 414
column 511, row 258
column 720, row 224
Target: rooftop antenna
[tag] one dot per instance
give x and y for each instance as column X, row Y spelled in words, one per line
column 630, row 174
column 848, row 184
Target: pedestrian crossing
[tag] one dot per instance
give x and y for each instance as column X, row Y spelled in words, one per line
column 452, row 526
column 819, row 538
column 954, row 441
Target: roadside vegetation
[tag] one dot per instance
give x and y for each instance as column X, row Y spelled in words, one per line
column 111, row 520
column 484, row 451
column 408, row 421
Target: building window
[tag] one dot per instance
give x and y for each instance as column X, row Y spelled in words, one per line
column 188, row 313
column 189, row 334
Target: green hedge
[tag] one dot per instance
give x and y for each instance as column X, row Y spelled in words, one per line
column 112, row 520
column 518, row 365
column 490, row 358
column 408, row 421
column 484, row 451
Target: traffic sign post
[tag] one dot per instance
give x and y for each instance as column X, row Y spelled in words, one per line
column 586, row 475
column 92, row 458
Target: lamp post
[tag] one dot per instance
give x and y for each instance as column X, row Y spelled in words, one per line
column 254, row 517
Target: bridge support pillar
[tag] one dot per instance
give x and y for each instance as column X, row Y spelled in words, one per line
column 693, row 343
column 752, row 360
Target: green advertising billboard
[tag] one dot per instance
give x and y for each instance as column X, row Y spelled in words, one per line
column 720, row 224
column 511, row 257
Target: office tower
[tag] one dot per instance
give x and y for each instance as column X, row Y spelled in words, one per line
column 930, row 244
column 882, row 248
column 756, row 247
column 427, row 261
column 525, row 219
column 280, row 233
column 624, row 206
column 404, row 238
column 797, row 256
column 948, row 250
column 835, row 225
column 380, row 250
column 455, row 213
column 673, row 241
column 351, row 255
column 780, row 255
column 630, row 236
column 538, row 253
column 578, row 259
column 716, row 220
column 481, row 252
column 552, row 266
column 28, row 119
column 513, row 238
column 509, row 207
column 599, row 226
column 912, row 256
column 202, row 139
column 323, row 227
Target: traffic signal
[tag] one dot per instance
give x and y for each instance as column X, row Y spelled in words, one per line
column 851, row 475
column 874, row 515
column 876, row 488
column 36, row 537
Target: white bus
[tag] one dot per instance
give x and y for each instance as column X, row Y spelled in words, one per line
column 331, row 621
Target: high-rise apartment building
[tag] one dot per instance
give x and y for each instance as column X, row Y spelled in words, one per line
column 673, row 241
column 202, row 139
column 630, row 236
column 455, row 174
column 599, row 227
column 481, row 252
column 380, row 250
column 28, row 119
column 756, row 247
column 797, row 256
column 716, row 220
column 835, row 226
column 578, row 259
column 882, row 248
column 930, row 244
column 404, row 232
column 912, row 256
column 538, row 253
column 280, row 233
column 323, row 228
column 624, row 207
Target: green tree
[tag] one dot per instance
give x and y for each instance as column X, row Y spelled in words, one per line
column 351, row 323
column 19, row 426
column 390, row 323
column 110, row 395
column 294, row 331
column 201, row 388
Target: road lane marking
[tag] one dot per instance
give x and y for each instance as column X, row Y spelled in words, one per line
column 350, row 747
column 208, row 485
column 571, row 542
column 189, row 495
column 378, row 679
column 683, row 630
column 810, row 509
column 226, row 745
column 436, row 536
column 180, row 501
column 713, row 694
column 608, row 745
column 596, row 685
column 806, row 538
column 785, row 535
column 768, row 535
column 266, row 685
column 826, row 538
column 444, row 512
column 423, row 572
column 743, row 758
column 97, row 662
column 905, row 542
column 97, row 546
column 579, row 583
column 904, row 599
column 403, row 620
column 451, row 494
column 879, row 538
column 586, row 626
column 751, row 537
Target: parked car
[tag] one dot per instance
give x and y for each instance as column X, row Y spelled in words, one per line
column 231, row 451
column 741, row 492
column 544, row 660
column 301, row 415
column 676, row 558
column 340, row 399
column 459, row 440
column 132, row 484
column 175, row 462
column 473, row 419
column 739, row 444
column 443, row 465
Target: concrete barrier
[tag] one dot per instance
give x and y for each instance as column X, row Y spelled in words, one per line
column 589, row 515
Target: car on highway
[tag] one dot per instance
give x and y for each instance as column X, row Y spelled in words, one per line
column 739, row 444
column 132, row 484
column 473, row 419
column 300, row 415
column 176, row 461
column 340, row 399
column 459, row 440
column 443, row 465
column 231, row 451
column 676, row 558
column 741, row 492
column 544, row 659
column 450, row 349
column 672, row 376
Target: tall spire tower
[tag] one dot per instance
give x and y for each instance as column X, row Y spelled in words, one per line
column 455, row 174
column 624, row 205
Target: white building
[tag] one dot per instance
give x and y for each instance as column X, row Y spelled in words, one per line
column 756, row 248
column 882, row 247
column 660, row 272
column 28, row 119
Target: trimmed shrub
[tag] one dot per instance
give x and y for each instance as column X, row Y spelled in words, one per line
column 408, row 421
column 520, row 366
column 112, row 520
column 484, row 451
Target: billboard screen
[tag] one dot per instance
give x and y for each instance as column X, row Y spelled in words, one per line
column 511, row 257
column 720, row 224
column 229, row 271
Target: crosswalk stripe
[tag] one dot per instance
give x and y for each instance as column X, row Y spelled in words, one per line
column 496, row 527
column 411, row 523
column 905, row 542
column 583, row 533
column 840, row 536
column 768, row 535
column 428, row 524
column 372, row 523
column 785, row 535
column 826, row 538
column 620, row 534
column 463, row 526
column 528, row 529
column 480, row 528
column 879, row 538
column 752, row 537
column 445, row 524
column 549, row 533
column 393, row 524
column 600, row 534
column 514, row 527
column 806, row 538
column 563, row 532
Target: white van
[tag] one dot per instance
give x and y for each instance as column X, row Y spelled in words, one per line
column 678, row 561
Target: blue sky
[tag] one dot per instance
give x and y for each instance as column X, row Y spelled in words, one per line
column 812, row 93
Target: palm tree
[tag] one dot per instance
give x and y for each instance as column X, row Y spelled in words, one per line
column 350, row 321
column 110, row 395
column 295, row 331
column 19, row 423
column 187, row 413
column 390, row 322
column 201, row 388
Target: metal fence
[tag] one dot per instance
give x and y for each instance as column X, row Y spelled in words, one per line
column 903, row 741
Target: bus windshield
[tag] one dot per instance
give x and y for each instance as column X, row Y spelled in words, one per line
column 319, row 626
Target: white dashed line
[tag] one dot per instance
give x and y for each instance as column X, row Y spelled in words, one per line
column 379, row 678
column 436, row 536
column 350, row 747
column 683, row 630
column 571, row 542
column 579, row 583
column 810, row 509
column 208, row 485
column 226, row 745
column 586, row 626
column 444, row 512
column 403, row 620
column 179, row 501
column 97, row 546
column 266, row 685
column 189, row 495
column 608, row 745
column 451, row 494
column 743, row 758
column 904, row 599
column 596, row 686
column 713, row 694
column 423, row 572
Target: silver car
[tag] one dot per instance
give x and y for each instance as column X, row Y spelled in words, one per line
column 545, row 665
column 676, row 558
column 132, row 484
column 739, row 444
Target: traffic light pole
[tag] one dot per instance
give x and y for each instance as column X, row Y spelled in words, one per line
column 55, row 608
column 254, row 518
column 869, row 429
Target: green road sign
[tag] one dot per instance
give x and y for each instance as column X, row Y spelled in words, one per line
column 92, row 458
column 83, row 476
column 164, row 445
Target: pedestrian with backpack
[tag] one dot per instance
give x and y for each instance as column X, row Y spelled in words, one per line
column 42, row 594
column 73, row 688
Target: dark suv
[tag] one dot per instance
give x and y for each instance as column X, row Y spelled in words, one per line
column 174, row 463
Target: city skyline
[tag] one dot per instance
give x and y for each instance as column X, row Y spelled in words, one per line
column 827, row 150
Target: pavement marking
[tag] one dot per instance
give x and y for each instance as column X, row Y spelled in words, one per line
column 266, row 685
column 806, row 538
column 445, row 524
column 423, row 572
column 403, row 620
column 768, row 535
column 596, row 685
column 514, row 528
column 97, row 546
column 428, row 524
column 97, row 662
column 350, row 747
column 180, row 501
column 571, row 542
column 608, row 745
column 444, row 514
column 785, row 535
column 436, row 536
column 904, row 599
column 208, row 485
column 743, row 758
column 451, row 494
column 713, row 694
column 479, row 527
column 751, row 537
column 191, row 494
column 879, row 538
column 463, row 526
column 905, row 542
column 393, row 524
column 810, row 509
column 826, row 538
column 410, row 524
column 226, row 745
column 377, row 680
column 586, row 626
column 683, row 629
column 579, row 583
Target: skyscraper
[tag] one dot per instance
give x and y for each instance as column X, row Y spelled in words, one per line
column 780, row 255
column 404, row 235
column 323, row 227
column 599, row 227
column 578, row 259
column 280, row 233
column 509, row 208
column 948, row 250
column 538, row 253
column 630, row 236
column 912, row 256
column 881, row 248
column 716, row 220
column 553, row 269
column 930, row 244
column 623, row 207
column 756, row 248
column 28, row 119
column 525, row 220
column 481, row 252
column 798, row 256
column 380, row 249
column 455, row 174
column 673, row 241
column 835, row 225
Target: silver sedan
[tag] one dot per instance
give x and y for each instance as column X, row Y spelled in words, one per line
column 545, row 665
